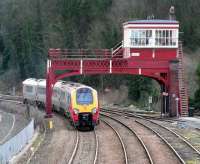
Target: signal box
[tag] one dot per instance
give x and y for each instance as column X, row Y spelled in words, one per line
column 151, row 39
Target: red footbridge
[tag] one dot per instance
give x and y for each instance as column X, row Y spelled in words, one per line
column 149, row 48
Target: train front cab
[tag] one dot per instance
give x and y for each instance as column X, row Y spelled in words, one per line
column 85, row 107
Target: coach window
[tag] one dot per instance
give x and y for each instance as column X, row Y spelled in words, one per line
column 41, row 91
column 62, row 97
column 55, row 92
column 29, row 89
column 68, row 100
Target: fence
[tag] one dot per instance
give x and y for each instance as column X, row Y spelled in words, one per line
column 15, row 144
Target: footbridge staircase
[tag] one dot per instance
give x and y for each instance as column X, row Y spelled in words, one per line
column 183, row 88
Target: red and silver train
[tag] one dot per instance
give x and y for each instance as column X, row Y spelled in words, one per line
column 76, row 101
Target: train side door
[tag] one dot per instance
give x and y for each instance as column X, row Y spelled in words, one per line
column 68, row 101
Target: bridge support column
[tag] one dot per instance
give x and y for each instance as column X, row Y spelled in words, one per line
column 48, row 97
column 174, row 89
column 49, row 88
column 165, row 100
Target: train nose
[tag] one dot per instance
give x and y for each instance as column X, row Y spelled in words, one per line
column 85, row 118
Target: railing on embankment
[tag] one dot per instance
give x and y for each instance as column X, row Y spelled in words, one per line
column 16, row 143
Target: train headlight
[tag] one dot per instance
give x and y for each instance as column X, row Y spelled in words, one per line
column 94, row 110
column 76, row 111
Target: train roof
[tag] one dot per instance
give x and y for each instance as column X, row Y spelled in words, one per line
column 30, row 81
column 73, row 86
column 41, row 82
column 65, row 85
column 58, row 84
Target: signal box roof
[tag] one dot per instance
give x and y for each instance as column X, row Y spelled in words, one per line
column 152, row 21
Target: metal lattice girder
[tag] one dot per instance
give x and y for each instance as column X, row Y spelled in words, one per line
column 102, row 61
column 63, row 54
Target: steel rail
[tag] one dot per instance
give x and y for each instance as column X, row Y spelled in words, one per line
column 121, row 141
column 163, row 127
column 18, row 99
column 176, row 134
column 179, row 136
column 10, row 130
column 12, row 101
column 162, row 138
column 97, row 148
column 75, row 148
column 198, row 129
column 136, row 135
column 168, row 144
column 11, row 97
column 37, row 147
column 128, row 112
column 4, row 95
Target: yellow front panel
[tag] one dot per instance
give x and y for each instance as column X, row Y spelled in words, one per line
column 85, row 108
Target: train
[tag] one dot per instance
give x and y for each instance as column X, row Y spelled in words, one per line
column 76, row 101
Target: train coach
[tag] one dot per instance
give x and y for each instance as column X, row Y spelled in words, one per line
column 76, row 101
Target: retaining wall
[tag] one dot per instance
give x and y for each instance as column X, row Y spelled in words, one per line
column 16, row 143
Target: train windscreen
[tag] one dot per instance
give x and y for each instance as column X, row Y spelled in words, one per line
column 84, row 96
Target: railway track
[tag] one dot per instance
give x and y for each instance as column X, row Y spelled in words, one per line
column 80, row 150
column 74, row 150
column 198, row 129
column 11, row 98
column 120, row 139
column 128, row 138
column 180, row 146
column 186, row 152
column 135, row 114
column 84, row 148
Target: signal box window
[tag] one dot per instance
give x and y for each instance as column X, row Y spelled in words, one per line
column 141, row 38
column 153, row 38
column 165, row 38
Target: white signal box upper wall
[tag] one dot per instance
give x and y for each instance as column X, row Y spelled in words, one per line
column 151, row 34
